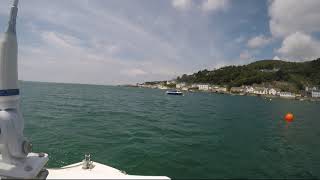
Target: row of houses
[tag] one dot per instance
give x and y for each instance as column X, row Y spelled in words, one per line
column 201, row 87
column 272, row 91
column 312, row 92
column 238, row 90
column 262, row 91
column 315, row 94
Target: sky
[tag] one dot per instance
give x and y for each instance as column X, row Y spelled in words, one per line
column 132, row 41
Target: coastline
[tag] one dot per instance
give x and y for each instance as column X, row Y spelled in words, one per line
column 266, row 96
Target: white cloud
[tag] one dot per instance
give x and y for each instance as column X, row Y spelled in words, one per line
column 79, row 48
column 276, row 58
column 258, row 41
column 300, row 46
column 113, row 49
column 290, row 16
column 60, row 40
column 4, row 10
column 295, row 22
column 215, row 5
column 206, row 5
column 59, row 45
column 133, row 72
column 182, row 4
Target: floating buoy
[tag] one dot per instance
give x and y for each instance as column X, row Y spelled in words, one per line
column 289, row 117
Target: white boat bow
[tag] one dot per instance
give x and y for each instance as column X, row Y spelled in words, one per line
column 98, row 171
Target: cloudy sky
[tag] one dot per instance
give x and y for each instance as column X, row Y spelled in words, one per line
column 129, row 41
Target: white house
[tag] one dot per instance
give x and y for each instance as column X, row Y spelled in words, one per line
column 195, row 86
column 260, row 91
column 220, row 89
column 249, row 89
column 171, row 82
column 237, row 90
column 203, row 87
column 272, row 91
column 308, row 89
column 315, row 94
column 287, row 95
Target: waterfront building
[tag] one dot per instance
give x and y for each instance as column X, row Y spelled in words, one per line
column 306, row 93
column 203, row 87
column 260, row 91
column 220, row 89
column 171, row 82
column 185, row 89
column 214, row 87
column 315, row 94
column 309, row 89
column 287, row 95
column 249, row 89
column 195, row 86
column 237, row 90
column 272, row 91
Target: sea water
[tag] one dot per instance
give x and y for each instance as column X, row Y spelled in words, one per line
column 146, row 132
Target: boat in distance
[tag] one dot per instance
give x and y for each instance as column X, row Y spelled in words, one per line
column 174, row 92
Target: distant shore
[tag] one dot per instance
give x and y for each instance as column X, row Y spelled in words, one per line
column 266, row 96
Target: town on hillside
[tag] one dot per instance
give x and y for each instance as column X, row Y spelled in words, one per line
column 309, row 93
column 267, row 78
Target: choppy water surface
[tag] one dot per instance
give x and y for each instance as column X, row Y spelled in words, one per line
column 199, row 135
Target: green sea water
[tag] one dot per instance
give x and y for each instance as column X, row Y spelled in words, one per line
column 199, row 135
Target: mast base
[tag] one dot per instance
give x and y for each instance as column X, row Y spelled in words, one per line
column 30, row 168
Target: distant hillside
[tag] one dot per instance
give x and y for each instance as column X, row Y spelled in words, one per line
column 281, row 74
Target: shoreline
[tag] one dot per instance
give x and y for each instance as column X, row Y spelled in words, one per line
column 243, row 94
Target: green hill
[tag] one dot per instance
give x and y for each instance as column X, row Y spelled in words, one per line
column 292, row 76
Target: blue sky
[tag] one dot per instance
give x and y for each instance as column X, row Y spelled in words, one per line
column 130, row 41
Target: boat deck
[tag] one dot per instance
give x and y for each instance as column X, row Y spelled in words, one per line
column 99, row 171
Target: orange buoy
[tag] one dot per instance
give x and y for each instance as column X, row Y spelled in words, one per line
column 289, row 117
